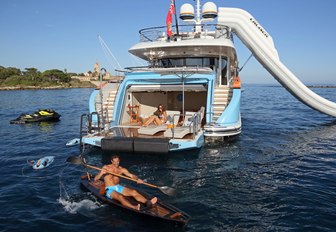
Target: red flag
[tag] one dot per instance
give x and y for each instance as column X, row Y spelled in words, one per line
column 169, row 19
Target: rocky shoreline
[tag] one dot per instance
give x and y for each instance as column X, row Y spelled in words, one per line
column 21, row 87
column 39, row 87
column 322, row 86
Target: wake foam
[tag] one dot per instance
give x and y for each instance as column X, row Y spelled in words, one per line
column 75, row 203
column 82, row 206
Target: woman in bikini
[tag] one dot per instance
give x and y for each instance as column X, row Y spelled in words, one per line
column 159, row 117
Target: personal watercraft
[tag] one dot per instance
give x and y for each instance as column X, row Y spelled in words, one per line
column 39, row 116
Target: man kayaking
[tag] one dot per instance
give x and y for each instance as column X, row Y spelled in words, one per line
column 116, row 191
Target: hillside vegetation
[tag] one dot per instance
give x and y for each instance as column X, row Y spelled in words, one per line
column 32, row 78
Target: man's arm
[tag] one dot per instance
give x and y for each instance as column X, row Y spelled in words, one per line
column 100, row 174
column 127, row 173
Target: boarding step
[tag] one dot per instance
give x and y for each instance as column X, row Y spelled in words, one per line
column 109, row 105
column 223, row 91
column 109, row 101
column 222, row 88
column 220, row 104
column 108, row 115
column 217, row 114
column 222, row 96
column 219, row 109
column 220, row 101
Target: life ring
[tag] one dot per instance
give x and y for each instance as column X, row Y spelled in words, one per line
column 236, row 82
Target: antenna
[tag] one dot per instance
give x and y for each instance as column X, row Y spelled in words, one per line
column 198, row 11
column 106, row 48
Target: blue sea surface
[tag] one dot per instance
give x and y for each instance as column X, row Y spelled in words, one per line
column 278, row 175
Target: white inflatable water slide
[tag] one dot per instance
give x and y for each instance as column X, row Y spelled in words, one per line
column 260, row 43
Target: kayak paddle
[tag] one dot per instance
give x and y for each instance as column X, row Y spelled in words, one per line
column 78, row 160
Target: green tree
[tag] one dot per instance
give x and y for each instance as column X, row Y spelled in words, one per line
column 31, row 72
column 11, row 81
column 56, row 75
column 8, row 72
column 31, row 76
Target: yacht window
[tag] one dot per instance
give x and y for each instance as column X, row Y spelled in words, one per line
column 194, row 62
column 206, row 62
column 190, row 61
column 176, row 62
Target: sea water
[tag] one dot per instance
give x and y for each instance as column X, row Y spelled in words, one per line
column 278, row 175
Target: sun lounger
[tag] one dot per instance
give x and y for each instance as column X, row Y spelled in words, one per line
column 152, row 129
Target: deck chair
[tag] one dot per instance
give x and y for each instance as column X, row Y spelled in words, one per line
column 186, row 128
column 173, row 117
column 188, row 125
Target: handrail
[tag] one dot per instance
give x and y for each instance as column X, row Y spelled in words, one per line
column 90, row 128
column 173, row 68
column 156, row 33
column 81, row 131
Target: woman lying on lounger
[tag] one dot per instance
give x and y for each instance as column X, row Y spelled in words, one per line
column 159, row 117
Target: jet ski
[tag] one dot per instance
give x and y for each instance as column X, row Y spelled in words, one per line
column 45, row 115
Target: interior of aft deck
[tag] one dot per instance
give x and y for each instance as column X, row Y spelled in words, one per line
column 140, row 104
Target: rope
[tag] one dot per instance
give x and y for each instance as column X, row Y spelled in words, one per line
column 60, row 175
column 246, row 62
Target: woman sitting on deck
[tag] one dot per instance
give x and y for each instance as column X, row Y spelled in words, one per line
column 159, row 117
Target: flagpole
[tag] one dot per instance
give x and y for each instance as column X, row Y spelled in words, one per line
column 177, row 29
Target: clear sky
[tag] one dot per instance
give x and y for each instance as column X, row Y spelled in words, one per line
column 63, row 34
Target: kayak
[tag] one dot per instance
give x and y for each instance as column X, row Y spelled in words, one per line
column 41, row 163
column 73, row 142
column 160, row 211
column 44, row 115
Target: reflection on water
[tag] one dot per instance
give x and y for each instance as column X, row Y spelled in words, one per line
column 46, row 126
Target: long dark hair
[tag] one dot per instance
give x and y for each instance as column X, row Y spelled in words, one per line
column 158, row 112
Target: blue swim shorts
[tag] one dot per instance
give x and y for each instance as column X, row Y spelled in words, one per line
column 118, row 188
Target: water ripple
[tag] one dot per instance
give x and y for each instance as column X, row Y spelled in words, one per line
column 278, row 175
